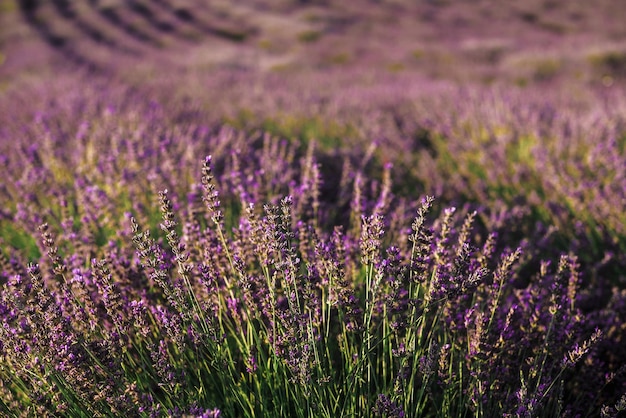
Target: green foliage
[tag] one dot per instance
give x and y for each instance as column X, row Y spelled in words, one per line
column 612, row 62
column 329, row 135
column 14, row 237
column 309, row 36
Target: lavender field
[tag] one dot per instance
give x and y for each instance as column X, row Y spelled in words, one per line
column 313, row 208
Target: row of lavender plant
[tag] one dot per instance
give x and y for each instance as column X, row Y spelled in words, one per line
column 558, row 159
column 139, row 282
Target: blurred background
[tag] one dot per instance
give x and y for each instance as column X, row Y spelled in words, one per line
column 555, row 42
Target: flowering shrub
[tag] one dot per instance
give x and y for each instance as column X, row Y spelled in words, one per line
column 252, row 296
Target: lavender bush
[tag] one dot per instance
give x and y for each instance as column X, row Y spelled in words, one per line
column 248, row 210
column 246, row 293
